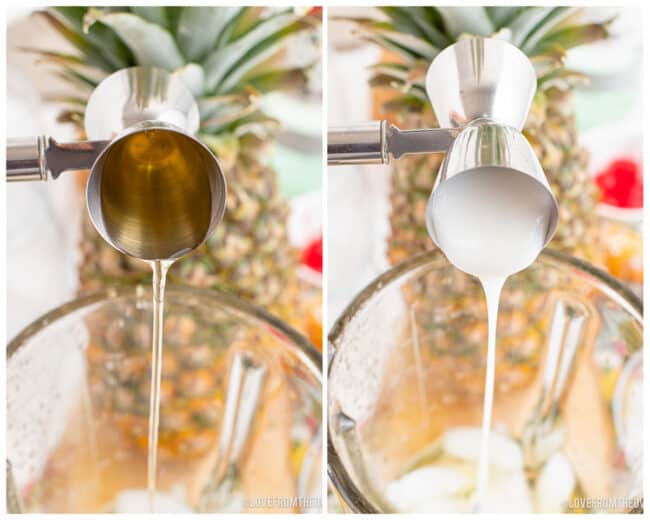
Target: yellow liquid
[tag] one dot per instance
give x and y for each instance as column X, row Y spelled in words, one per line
column 156, row 205
column 156, row 199
column 159, row 277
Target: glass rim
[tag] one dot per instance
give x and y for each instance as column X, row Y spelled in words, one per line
column 345, row 488
column 306, row 351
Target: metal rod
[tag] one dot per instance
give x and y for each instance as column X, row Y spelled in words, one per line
column 42, row 158
column 378, row 142
column 359, row 144
column 416, row 142
column 25, row 159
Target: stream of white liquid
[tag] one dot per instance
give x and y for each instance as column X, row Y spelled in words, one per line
column 490, row 223
column 492, row 288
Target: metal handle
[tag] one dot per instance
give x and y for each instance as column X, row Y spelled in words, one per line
column 377, row 142
column 26, row 159
column 359, row 144
column 41, row 158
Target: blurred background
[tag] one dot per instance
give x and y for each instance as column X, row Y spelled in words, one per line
column 362, row 200
column 261, row 115
column 45, row 221
column 393, row 370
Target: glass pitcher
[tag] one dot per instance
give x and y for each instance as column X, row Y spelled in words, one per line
column 405, row 392
column 235, row 382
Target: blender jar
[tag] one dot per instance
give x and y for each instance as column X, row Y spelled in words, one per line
column 240, row 420
column 406, row 379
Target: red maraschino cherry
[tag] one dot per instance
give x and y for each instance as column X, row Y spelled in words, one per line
column 621, row 184
column 312, row 255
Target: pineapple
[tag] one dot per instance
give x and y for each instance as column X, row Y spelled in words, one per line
column 192, row 376
column 228, row 57
column 415, row 35
column 447, row 314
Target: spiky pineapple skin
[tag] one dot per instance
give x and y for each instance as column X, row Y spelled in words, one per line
column 249, row 254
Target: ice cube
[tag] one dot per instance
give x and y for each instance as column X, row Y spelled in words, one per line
column 465, row 443
column 431, row 489
column 137, row 501
column 554, row 485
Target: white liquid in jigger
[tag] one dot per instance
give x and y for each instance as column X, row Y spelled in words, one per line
column 490, row 223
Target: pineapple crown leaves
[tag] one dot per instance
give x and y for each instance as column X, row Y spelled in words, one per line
column 229, row 57
column 417, row 34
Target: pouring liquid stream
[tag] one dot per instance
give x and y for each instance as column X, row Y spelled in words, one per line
column 492, row 289
column 490, row 223
column 159, row 268
column 157, row 206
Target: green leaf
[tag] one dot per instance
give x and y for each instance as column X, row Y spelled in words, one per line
column 108, row 43
column 210, row 105
column 71, row 116
column 397, row 70
column 261, row 55
column 279, row 79
column 466, row 20
column 401, row 77
column 103, row 40
column 76, row 78
column 430, row 21
column 156, row 15
column 503, row 15
column 405, row 87
column 223, row 110
column 91, row 55
column 555, row 17
column 552, row 58
column 526, row 21
column 69, row 100
column 406, row 103
column 82, row 73
column 401, row 21
column 388, row 81
column 74, row 15
column 385, row 32
column 151, row 44
column 55, row 57
column 238, row 57
column 562, row 79
column 412, row 20
column 256, row 123
column 199, row 29
column 173, row 17
column 243, row 22
column 434, row 18
column 573, row 36
column 414, row 72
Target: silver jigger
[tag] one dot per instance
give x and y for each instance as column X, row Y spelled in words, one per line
column 142, row 111
column 481, row 90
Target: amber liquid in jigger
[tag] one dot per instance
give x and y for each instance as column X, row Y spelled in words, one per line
column 156, row 195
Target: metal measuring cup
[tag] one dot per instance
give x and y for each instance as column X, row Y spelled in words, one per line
column 481, row 90
column 145, row 103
